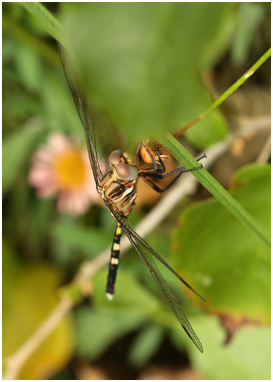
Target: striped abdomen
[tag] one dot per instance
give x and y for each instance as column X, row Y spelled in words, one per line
column 113, row 265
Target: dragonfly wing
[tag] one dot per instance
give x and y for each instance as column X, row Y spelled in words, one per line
column 147, row 255
column 148, row 260
column 101, row 137
column 86, row 117
column 126, row 225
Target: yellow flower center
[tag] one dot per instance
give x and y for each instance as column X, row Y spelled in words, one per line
column 70, row 170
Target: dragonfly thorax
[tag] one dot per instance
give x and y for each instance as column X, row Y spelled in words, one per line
column 118, row 187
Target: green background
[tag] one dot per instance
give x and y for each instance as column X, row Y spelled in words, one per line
column 149, row 68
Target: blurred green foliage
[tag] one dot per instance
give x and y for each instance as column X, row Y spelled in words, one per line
column 160, row 54
column 250, row 18
column 246, row 357
column 146, row 48
column 130, row 308
column 240, row 288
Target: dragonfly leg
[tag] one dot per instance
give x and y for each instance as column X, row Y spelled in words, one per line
column 178, row 172
column 154, row 167
column 113, row 264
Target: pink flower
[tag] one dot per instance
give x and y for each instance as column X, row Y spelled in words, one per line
column 61, row 168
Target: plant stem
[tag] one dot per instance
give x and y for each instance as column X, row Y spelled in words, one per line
column 227, row 93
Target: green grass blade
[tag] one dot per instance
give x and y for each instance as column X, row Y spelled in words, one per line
column 238, row 83
column 227, row 93
column 183, row 156
column 46, row 19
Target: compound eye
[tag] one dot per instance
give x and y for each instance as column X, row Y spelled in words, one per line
column 126, row 172
column 115, row 157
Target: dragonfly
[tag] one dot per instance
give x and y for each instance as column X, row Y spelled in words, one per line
column 116, row 181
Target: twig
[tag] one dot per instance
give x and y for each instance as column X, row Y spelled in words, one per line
column 186, row 185
column 16, row 361
column 265, row 152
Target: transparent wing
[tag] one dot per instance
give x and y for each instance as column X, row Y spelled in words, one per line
column 147, row 255
column 101, row 138
column 148, row 260
column 127, row 227
column 86, row 117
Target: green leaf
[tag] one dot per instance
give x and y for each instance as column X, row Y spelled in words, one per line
column 38, row 221
column 130, row 295
column 245, row 357
column 45, row 18
column 29, row 67
column 56, row 118
column 235, row 208
column 17, row 148
column 32, row 299
column 250, row 17
column 208, row 131
column 230, row 264
column 97, row 329
column 141, row 62
column 28, row 37
column 72, row 236
column 145, row 345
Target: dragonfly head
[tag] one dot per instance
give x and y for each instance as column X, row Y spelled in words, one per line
column 119, row 161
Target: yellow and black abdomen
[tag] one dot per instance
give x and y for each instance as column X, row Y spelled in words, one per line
column 113, row 265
